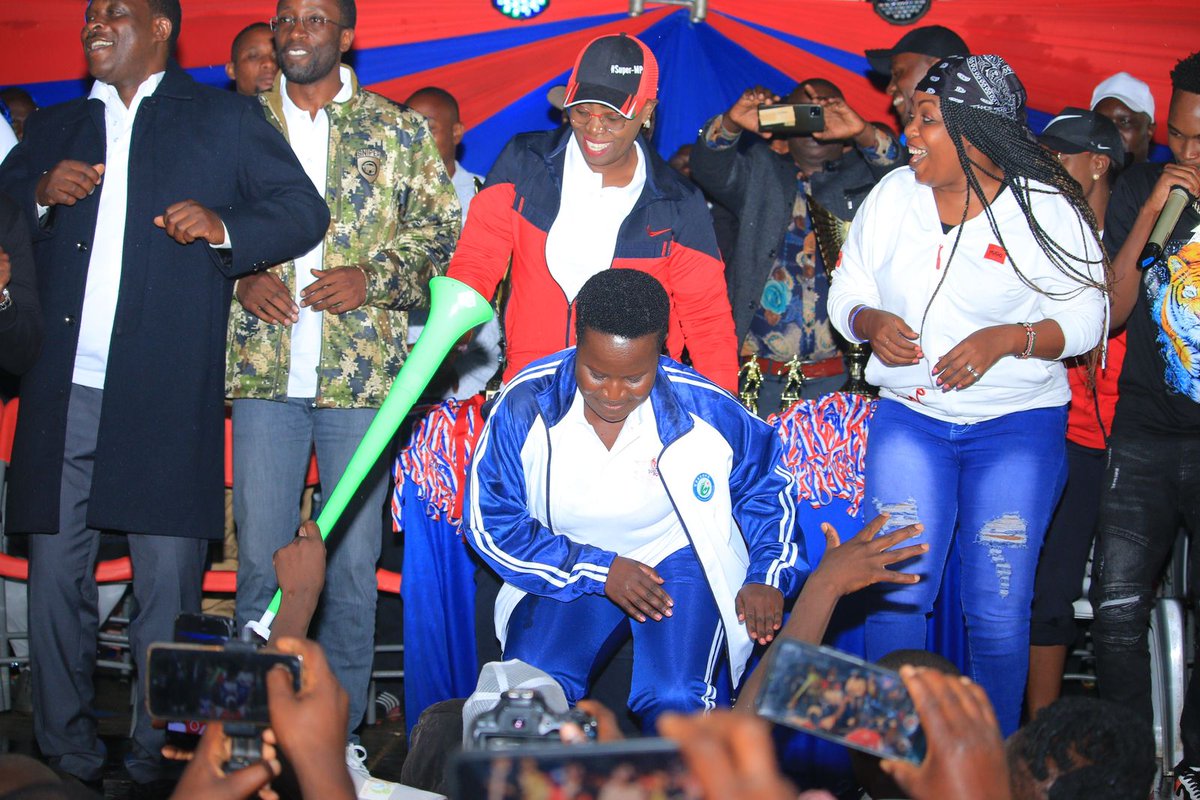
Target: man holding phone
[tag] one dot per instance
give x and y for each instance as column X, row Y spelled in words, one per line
column 776, row 276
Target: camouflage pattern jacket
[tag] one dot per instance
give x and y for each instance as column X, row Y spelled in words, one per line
column 395, row 215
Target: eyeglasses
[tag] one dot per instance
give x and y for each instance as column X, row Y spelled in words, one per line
column 311, row 23
column 609, row 120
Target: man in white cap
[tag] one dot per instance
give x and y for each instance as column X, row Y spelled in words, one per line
column 1128, row 103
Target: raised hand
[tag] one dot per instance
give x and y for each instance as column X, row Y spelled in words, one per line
column 965, row 753
column 730, row 755
column 864, row 560
column 743, row 114
column 842, row 122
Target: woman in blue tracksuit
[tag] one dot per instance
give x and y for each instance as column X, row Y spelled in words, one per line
column 596, row 506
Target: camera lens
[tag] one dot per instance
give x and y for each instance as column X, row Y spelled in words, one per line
column 519, row 723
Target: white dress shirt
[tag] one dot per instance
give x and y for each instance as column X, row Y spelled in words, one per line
column 8, row 139
column 309, row 137
column 108, row 246
column 583, row 238
column 464, row 187
column 613, row 499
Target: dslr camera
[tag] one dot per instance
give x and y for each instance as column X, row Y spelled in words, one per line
column 520, row 718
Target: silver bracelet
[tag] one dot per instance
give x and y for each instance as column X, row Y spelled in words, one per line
column 5, row 299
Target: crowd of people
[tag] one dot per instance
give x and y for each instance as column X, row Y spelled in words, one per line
column 169, row 248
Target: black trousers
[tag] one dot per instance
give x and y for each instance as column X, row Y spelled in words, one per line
column 1150, row 487
column 1064, row 554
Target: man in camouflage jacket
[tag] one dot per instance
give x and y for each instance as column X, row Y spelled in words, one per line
column 315, row 343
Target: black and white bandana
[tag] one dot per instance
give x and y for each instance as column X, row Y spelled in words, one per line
column 987, row 83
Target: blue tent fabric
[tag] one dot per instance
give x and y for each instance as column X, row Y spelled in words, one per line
column 439, row 610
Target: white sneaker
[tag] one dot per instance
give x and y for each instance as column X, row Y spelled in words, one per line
column 367, row 787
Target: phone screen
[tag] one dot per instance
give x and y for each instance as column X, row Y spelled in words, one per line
column 197, row 629
column 634, row 768
column 191, row 682
column 836, row 696
column 204, row 629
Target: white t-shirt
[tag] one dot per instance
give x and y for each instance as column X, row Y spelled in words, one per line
column 894, row 257
column 612, row 499
column 583, row 238
column 309, row 138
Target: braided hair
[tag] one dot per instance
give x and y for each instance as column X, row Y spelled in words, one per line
column 983, row 104
column 1022, row 161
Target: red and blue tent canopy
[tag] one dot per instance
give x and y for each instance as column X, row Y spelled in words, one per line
column 500, row 69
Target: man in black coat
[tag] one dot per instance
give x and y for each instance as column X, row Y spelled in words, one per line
column 146, row 199
column 776, row 277
column 20, row 316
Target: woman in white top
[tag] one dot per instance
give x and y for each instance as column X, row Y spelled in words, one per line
column 971, row 274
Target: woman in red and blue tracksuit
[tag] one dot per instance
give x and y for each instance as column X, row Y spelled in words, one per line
column 668, row 234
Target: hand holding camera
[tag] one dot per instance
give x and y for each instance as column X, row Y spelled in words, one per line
column 966, row 752
column 743, row 114
column 310, row 724
column 206, row 776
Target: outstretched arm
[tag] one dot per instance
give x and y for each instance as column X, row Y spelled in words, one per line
column 844, row 569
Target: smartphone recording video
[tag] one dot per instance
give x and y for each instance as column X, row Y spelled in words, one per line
column 791, row 120
column 836, row 696
column 637, row 769
column 198, row 683
column 206, row 629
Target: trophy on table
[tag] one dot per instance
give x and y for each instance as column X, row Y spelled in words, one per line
column 830, row 232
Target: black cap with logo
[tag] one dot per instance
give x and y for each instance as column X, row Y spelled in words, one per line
column 1077, row 130
column 930, row 40
column 616, row 71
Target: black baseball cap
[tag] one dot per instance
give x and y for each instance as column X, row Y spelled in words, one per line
column 1077, row 130
column 616, row 71
column 929, row 40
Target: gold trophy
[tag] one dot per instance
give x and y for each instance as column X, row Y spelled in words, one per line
column 793, row 385
column 750, row 380
column 830, row 233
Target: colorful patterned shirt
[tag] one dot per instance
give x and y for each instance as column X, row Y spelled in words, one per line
column 791, row 319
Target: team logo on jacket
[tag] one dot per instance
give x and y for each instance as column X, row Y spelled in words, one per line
column 702, row 487
column 369, row 161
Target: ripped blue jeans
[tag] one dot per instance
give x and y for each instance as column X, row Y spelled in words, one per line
column 996, row 484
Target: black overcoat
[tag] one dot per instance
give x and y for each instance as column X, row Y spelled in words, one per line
column 159, row 466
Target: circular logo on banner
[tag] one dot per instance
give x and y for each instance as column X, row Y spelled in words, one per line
column 702, row 487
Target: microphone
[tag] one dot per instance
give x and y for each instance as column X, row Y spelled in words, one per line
column 1177, row 201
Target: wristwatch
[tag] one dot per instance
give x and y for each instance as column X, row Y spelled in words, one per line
column 5, row 299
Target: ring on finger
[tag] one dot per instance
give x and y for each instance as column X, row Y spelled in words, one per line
column 972, row 370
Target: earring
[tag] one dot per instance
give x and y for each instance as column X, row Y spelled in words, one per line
column 1095, row 177
column 646, row 124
